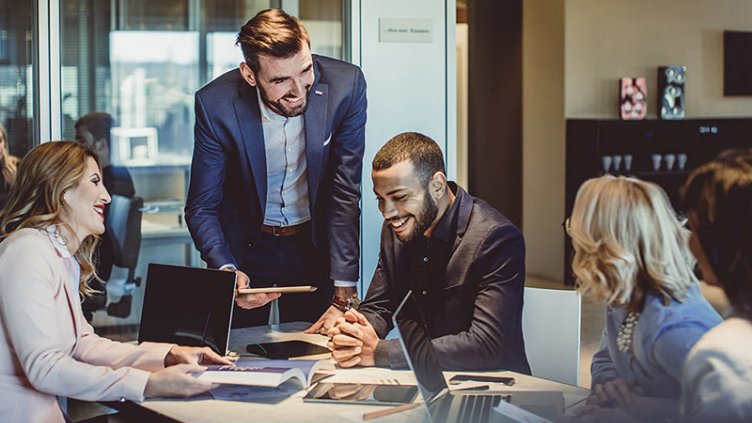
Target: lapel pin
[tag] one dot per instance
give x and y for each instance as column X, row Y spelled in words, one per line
column 318, row 92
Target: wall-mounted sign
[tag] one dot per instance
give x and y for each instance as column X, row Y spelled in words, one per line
column 405, row 30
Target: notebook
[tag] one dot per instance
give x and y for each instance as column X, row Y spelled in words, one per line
column 467, row 406
column 188, row 306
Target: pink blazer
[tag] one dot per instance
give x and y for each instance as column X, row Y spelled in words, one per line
column 47, row 348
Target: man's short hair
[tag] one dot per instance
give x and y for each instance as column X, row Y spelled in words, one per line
column 272, row 32
column 422, row 151
column 99, row 124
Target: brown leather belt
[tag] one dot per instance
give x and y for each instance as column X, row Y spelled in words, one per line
column 284, row 230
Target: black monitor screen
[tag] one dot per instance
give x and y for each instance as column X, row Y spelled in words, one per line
column 188, row 306
column 737, row 63
column 417, row 343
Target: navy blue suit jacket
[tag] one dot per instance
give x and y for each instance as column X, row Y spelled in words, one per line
column 227, row 194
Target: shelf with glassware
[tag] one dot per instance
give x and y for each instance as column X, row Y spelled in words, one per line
column 660, row 151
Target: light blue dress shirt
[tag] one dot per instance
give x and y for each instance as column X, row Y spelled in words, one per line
column 287, row 201
column 661, row 340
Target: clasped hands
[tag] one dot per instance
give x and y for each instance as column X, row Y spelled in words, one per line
column 353, row 340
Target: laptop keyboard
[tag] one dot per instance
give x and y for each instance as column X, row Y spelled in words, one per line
column 477, row 408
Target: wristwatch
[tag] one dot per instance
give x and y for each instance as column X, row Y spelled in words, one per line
column 344, row 304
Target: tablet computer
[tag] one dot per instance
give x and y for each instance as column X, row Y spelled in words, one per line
column 361, row 393
column 286, row 349
column 280, row 289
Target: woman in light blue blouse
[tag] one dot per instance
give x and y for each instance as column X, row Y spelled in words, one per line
column 632, row 253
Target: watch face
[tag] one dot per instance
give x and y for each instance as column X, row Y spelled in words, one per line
column 353, row 302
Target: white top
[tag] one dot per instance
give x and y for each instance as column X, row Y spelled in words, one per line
column 717, row 382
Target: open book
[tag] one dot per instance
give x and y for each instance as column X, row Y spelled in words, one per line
column 267, row 372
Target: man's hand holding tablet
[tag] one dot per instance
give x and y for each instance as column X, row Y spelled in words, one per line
column 277, row 289
column 249, row 300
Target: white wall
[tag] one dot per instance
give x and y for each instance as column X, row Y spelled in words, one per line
column 411, row 87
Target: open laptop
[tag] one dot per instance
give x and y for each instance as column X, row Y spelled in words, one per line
column 188, row 306
column 467, row 406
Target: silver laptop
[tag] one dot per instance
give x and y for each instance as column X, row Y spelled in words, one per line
column 467, row 406
column 188, row 306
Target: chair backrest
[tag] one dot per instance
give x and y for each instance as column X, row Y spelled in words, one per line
column 551, row 327
column 123, row 224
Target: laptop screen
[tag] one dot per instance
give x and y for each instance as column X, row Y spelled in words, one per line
column 188, row 306
column 416, row 343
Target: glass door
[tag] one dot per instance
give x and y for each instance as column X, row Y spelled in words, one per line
column 141, row 62
column 17, row 67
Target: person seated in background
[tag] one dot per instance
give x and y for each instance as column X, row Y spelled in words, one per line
column 463, row 259
column 48, row 232
column 717, row 380
column 8, row 165
column 93, row 130
column 631, row 252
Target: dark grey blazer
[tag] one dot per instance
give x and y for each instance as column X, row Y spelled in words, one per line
column 474, row 315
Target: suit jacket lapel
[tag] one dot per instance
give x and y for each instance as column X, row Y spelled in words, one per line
column 72, row 304
column 252, row 145
column 463, row 213
column 315, row 124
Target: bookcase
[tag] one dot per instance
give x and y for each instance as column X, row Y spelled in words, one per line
column 660, row 151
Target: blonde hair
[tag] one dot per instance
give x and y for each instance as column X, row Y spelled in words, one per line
column 4, row 152
column 627, row 240
column 36, row 200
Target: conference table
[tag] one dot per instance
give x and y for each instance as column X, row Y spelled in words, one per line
column 292, row 408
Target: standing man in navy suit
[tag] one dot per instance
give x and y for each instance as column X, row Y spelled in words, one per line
column 275, row 179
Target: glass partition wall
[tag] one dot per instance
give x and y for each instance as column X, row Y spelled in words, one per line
column 17, row 66
column 141, row 61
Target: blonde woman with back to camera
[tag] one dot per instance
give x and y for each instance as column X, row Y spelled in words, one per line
column 632, row 253
column 48, row 231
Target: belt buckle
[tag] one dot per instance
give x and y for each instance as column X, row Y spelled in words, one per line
column 275, row 233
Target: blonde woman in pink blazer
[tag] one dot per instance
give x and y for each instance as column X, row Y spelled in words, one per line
column 48, row 231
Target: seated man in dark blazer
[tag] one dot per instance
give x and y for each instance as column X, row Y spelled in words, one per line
column 464, row 261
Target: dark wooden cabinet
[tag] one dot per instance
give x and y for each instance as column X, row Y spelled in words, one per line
column 689, row 142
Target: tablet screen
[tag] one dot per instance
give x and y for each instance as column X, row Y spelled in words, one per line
column 362, row 393
column 286, row 349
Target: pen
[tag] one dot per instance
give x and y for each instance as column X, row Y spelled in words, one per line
column 389, row 411
column 473, row 388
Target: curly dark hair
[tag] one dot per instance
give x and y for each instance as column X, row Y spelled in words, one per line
column 718, row 199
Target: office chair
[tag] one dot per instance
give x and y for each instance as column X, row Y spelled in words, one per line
column 551, row 328
column 123, row 225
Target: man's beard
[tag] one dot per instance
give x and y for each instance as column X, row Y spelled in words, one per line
column 279, row 108
column 423, row 220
